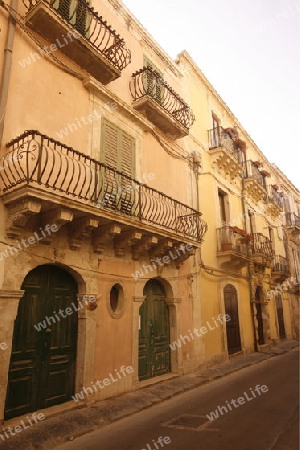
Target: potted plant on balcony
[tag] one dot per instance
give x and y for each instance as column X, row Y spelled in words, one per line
column 226, row 246
column 275, row 186
column 232, row 132
column 265, row 173
column 257, row 164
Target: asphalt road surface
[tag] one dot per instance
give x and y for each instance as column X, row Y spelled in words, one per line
column 247, row 420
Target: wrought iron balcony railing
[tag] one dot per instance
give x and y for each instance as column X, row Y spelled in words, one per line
column 292, row 220
column 147, row 82
column 83, row 19
column 262, row 245
column 251, row 171
column 217, row 137
column 275, row 196
column 280, row 264
column 229, row 241
column 40, row 162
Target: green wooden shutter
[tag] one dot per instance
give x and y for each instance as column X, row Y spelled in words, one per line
column 117, row 152
column 152, row 85
column 127, row 167
column 110, row 144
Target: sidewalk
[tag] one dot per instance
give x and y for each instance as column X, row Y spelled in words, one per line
column 68, row 425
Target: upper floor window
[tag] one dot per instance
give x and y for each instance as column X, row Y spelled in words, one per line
column 223, row 206
column 117, row 148
column 154, row 85
column 118, row 153
column 215, row 131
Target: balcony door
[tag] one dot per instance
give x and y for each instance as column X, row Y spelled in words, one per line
column 153, row 85
column 74, row 12
column 233, row 325
column 117, row 191
column 42, row 366
column 154, row 333
column 279, row 308
column 259, row 316
column 216, row 130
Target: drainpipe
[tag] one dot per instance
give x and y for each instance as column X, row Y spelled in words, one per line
column 249, row 266
column 7, row 62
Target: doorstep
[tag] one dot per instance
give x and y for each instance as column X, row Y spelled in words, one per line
column 51, row 411
column 159, row 379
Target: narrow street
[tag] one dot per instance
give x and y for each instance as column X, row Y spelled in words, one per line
column 250, row 417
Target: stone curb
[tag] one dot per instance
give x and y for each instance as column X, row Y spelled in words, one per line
column 70, row 425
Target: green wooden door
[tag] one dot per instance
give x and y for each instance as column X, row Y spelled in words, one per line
column 42, row 366
column 154, row 333
column 232, row 327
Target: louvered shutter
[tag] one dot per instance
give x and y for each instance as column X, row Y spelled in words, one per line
column 117, row 153
column 109, row 156
column 153, row 85
column 127, row 166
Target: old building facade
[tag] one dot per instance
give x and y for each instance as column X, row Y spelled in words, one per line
column 134, row 211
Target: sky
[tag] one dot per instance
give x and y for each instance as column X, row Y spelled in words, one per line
column 250, row 53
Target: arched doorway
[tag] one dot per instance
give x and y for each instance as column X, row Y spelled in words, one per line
column 279, row 307
column 232, row 326
column 154, row 332
column 42, row 365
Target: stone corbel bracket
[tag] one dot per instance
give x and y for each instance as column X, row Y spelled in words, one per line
column 18, row 214
column 79, row 229
column 103, row 237
column 58, row 217
column 126, row 240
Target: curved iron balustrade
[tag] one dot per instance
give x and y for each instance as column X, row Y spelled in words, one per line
column 281, row 264
column 147, row 81
column 82, row 18
column 218, row 137
column 36, row 160
column 251, row 171
column 263, row 245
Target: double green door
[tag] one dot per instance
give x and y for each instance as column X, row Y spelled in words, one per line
column 42, row 366
column 154, row 333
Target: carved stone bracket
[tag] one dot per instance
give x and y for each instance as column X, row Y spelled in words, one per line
column 103, row 237
column 58, row 217
column 143, row 246
column 161, row 249
column 125, row 240
column 79, row 229
column 18, row 215
column 184, row 256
